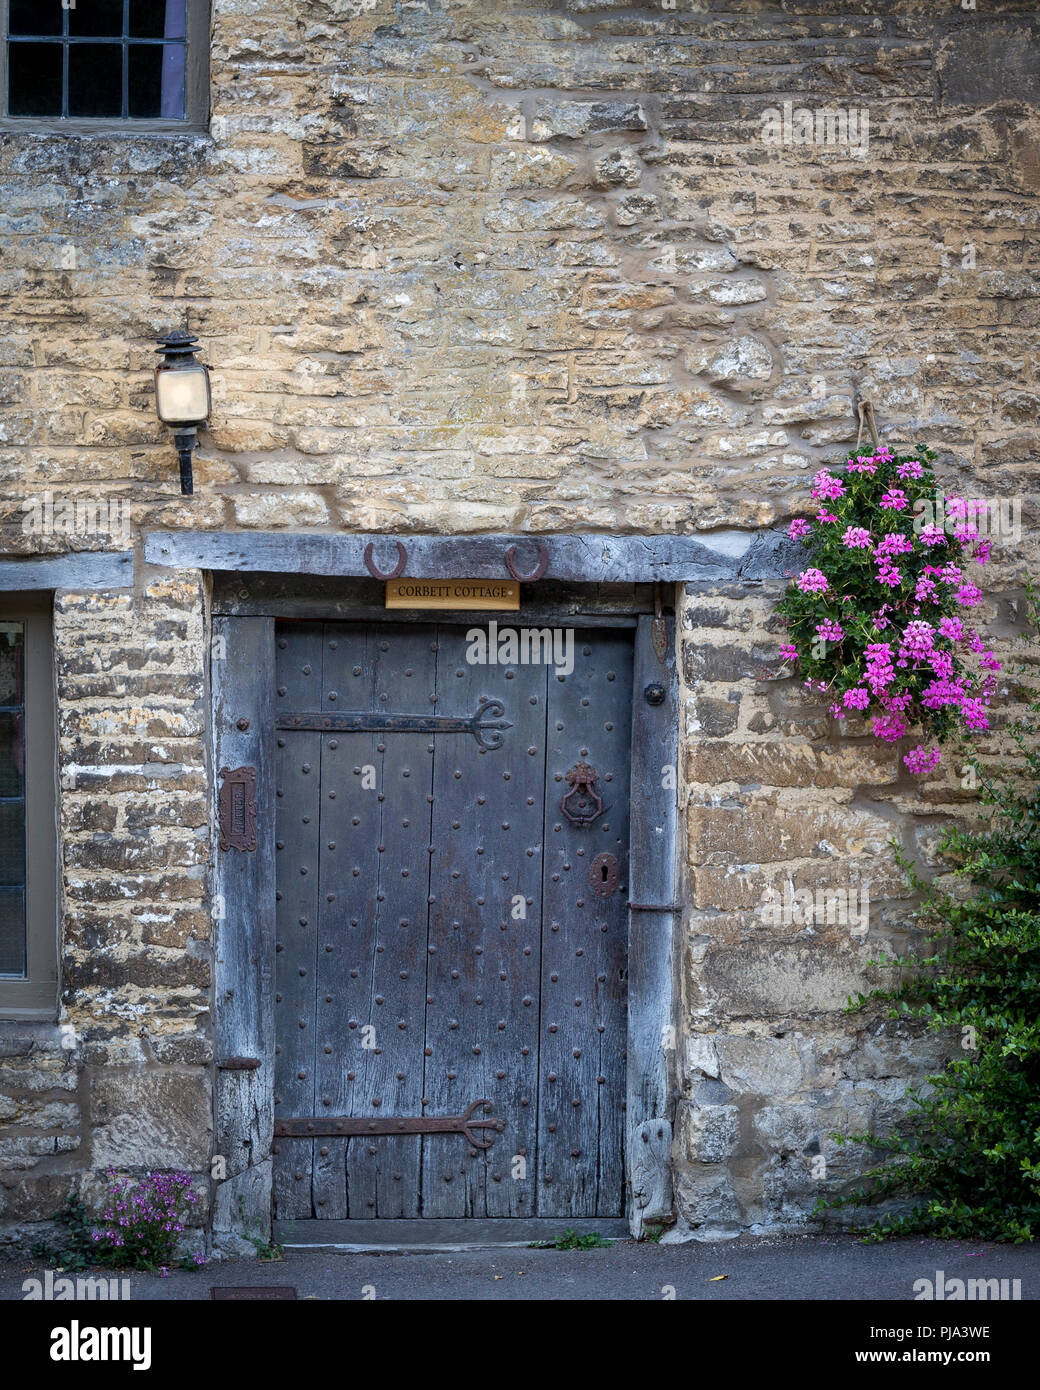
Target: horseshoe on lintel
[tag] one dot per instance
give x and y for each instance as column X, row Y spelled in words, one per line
column 398, row 569
column 536, row 573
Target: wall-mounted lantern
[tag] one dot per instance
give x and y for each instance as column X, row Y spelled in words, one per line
column 182, row 397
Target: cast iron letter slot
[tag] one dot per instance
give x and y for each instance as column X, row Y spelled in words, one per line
column 236, row 808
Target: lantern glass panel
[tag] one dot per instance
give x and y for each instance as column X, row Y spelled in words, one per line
column 182, row 394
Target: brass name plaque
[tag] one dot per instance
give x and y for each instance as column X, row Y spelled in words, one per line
column 453, row 593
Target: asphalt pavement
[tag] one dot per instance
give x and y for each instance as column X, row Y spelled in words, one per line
column 810, row 1267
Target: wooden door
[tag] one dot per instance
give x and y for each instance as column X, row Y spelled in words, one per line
column 446, row 933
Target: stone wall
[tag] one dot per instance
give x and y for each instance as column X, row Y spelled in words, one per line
column 498, row 266
column 490, row 266
column 778, row 803
column 122, row 1079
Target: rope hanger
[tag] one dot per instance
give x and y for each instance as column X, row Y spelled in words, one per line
column 866, row 412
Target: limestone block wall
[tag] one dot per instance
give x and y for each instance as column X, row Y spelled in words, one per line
column 471, row 265
column 779, row 802
column 122, row 1078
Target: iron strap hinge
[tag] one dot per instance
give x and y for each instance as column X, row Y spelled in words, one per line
column 347, row 1126
column 654, row 907
column 487, row 731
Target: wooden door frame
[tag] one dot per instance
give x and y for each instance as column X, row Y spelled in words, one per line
column 244, row 883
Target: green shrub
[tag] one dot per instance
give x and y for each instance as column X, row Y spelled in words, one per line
column 971, row 1149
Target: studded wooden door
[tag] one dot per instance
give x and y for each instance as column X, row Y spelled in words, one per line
column 446, row 933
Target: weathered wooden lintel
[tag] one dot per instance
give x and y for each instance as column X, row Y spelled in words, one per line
column 713, row 556
column 77, row 570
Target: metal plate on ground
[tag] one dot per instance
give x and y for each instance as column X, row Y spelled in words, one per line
column 247, row 1293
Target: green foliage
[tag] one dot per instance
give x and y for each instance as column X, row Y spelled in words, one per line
column 266, row 1249
column 971, row 1151
column 140, row 1226
column 76, row 1250
column 570, row 1240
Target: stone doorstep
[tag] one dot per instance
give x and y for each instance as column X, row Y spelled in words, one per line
column 434, row 1236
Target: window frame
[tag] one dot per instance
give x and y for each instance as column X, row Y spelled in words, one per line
column 196, row 91
column 36, row 996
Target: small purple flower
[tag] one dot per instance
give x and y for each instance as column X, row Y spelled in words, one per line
column 798, row 528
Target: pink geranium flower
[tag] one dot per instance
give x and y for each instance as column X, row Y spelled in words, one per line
column 812, row 581
column 921, row 759
column 931, row 535
column 894, row 543
column 856, row 538
column 826, row 487
column 931, row 666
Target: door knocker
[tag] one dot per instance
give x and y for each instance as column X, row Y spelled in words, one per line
column 582, row 804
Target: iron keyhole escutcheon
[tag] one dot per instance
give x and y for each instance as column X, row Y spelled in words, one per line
column 604, row 875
